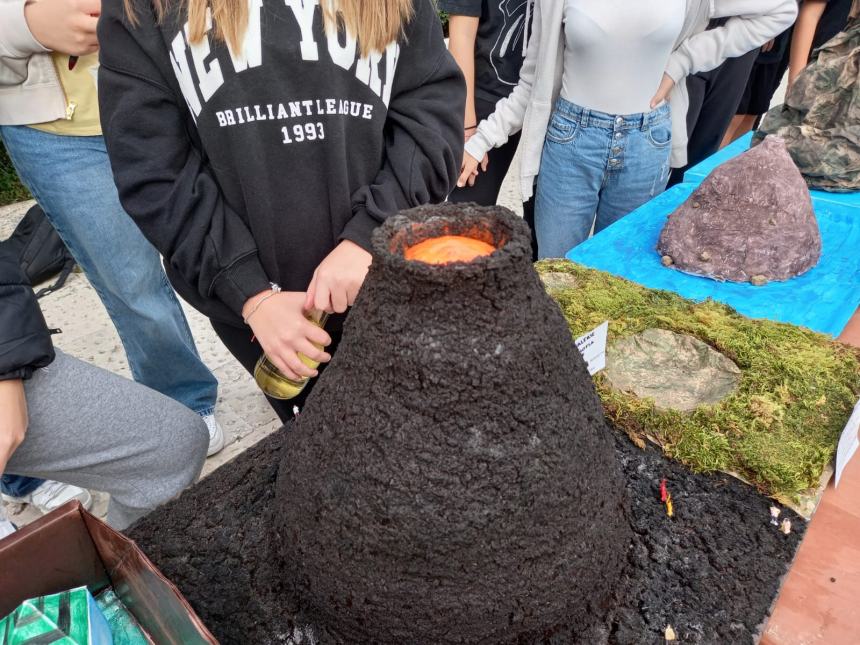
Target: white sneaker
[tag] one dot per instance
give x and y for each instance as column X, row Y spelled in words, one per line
column 51, row 495
column 6, row 527
column 216, row 435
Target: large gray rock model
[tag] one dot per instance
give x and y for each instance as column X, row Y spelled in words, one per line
column 751, row 220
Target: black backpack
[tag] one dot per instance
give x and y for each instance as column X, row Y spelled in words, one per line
column 40, row 251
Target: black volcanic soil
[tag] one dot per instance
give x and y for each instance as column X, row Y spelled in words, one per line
column 711, row 572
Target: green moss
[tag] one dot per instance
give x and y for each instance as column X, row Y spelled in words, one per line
column 778, row 430
column 443, row 17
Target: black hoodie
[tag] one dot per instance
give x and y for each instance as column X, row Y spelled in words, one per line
column 25, row 342
column 245, row 168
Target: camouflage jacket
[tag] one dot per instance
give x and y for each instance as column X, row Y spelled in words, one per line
column 820, row 120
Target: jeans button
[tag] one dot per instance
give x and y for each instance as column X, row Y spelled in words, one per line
column 619, row 120
column 613, row 162
column 616, row 151
column 618, row 135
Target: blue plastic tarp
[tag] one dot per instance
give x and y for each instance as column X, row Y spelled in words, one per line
column 823, row 299
column 697, row 174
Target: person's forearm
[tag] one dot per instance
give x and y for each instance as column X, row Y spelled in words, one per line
column 462, row 31
column 13, row 419
column 804, row 34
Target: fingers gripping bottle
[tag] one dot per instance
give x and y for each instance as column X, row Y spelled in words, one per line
column 273, row 382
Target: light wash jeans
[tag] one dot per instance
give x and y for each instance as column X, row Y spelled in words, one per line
column 595, row 169
column 71, row 179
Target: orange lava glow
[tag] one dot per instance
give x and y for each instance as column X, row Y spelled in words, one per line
column 447, row 249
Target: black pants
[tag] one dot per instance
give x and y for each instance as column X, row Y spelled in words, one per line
column 247, row 352
column 714, row 99
column 485, row 192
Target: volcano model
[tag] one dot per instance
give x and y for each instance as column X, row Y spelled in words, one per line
column 751, row 221
column 452, row 478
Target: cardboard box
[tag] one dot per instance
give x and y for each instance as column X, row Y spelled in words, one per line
column 70, row 548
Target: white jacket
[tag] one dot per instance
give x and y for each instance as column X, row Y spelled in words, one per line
column 30, row 89
column 529, row 107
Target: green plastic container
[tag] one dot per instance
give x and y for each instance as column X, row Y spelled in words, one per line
column 67, row 618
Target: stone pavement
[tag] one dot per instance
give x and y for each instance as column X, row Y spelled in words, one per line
column 88, row 334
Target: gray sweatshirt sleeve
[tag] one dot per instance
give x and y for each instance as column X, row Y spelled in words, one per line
column 752, row 24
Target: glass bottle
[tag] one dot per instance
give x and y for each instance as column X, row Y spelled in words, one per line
column 273, row 382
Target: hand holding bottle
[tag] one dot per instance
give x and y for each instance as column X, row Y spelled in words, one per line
column 338, row 278
column 281, row 327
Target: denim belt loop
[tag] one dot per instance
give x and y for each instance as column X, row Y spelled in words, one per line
column 646, row 120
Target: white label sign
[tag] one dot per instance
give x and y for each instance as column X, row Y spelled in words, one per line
column 592, row 346
column 848, row 443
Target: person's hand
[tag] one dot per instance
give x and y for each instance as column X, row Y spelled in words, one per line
column 469, row 169
column 666, row 86
column 470, row 121
column 280, row 326
column 65, row 26
column 768, row 46
column 338, row 278
column 13, row 419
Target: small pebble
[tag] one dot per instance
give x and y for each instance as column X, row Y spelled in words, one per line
column 670, row 635
column 705, row 256
column 758, row 281
column 667, row 261
column 696, row 205
column 774, row 515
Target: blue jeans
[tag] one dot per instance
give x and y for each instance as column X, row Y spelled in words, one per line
column 71, row 179
column 595, row 169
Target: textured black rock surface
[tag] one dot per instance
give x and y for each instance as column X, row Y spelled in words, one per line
column 711, row 572
column 450, row 479
column 751, row 220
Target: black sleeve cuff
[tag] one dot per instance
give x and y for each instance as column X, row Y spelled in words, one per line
column 461, row 7
column 30, row 353
column 360, row 229
column 23, row 373
column 244, row 279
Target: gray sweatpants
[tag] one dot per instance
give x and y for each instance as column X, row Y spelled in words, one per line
column 94, row 429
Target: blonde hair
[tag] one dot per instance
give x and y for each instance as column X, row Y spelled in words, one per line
column 374, row 28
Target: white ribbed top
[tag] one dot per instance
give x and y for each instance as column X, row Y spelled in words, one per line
column 616, row 51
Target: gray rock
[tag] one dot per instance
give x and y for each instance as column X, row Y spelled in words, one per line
column 677, row 371
column 751, row 220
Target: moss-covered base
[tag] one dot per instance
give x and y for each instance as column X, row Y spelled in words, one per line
column 778, row 430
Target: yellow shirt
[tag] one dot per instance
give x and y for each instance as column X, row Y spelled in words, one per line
column 81, row 90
